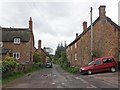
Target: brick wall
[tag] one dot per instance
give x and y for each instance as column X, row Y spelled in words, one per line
column 105, row 39
column 23, row 48
column 106, row 42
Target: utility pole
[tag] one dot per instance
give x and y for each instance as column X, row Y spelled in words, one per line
column 91, row 33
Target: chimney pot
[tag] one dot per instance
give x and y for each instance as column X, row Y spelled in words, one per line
column 76, row 35
column 102, row 11
column 84, row 25
column 39, row 44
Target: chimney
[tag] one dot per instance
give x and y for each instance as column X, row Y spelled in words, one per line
column 84, row 25
column 76, row 35
column 30, row 24
column 102, row 11
column 39, row 44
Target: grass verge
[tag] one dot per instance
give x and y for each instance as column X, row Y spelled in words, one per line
column 71, row 70
column 15, row 75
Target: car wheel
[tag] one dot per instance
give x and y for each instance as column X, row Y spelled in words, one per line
column 113, row 69
column 89, row 72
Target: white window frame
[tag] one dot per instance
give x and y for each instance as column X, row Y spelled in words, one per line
column 1, row 44
column 75, row 45
column 75, row 56
column 16, row 55
column 16, row 40
column 71, row 47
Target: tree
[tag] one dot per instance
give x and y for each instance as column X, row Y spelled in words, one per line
column 48, row 50
column 36, row 57
column 60, row 54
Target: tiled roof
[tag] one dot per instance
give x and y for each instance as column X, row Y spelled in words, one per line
column 108, row 19
column 8, row 34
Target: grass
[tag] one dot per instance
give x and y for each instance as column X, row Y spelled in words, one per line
column 15, row 75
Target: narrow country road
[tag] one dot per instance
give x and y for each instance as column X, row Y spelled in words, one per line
column 57, row 78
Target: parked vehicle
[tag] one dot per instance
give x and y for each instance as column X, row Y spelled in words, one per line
column 99, row 65
column 48, row 64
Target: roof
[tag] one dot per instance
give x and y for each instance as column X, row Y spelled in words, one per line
column 8, row 34
column 4, row 50
column 44, row 52
column 108, row 19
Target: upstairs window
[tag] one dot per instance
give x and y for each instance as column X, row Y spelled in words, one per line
column 16, row 55
column 75, row 56
column 16, row 40
column 75, row 45
column 71, row 47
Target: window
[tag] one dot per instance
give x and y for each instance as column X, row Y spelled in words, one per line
column 98, row 62
column 75, row 45
column 16, row 40
column 106, row 60
column 1, row 44
column 75, row 56
column 16, row 55
column 71, row 47
column 90, row 63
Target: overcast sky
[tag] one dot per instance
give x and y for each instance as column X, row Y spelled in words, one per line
column 54, row 21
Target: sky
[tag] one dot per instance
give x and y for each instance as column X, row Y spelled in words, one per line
column 54, row 21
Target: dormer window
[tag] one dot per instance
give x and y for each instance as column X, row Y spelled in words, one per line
column 16, row 40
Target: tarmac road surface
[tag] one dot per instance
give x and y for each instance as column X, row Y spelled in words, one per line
column 57, row 78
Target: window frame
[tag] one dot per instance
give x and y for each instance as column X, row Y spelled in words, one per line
column 17, row 40
column 76, row 45
column 76, row 56
column 16, row 55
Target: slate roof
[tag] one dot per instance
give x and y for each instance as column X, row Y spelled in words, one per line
column 8, row 34
column 108, row 19
column 4, row 50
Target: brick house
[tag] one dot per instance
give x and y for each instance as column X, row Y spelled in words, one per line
column 106, row 41
column 18, row 43
column 41, row 51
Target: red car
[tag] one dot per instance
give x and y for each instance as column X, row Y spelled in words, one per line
column 99, row 65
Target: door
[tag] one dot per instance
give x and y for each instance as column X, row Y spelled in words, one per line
column 97, row 66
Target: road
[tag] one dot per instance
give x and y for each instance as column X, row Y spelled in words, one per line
column 57, row 78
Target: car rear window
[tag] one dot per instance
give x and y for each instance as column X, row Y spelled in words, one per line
column 107, row 60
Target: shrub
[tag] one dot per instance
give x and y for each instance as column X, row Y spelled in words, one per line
column 36, row 57
column 8, row 64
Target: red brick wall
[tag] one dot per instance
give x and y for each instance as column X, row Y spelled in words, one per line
column 105, row 39
column 23, row 48
column 106, row 42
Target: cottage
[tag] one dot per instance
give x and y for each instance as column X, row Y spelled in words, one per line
column 105, row 42
column 18, row 43
column 41, row 51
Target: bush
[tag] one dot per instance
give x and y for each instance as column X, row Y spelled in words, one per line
column 72, row 70
column 8, row 65
column 36, row 57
